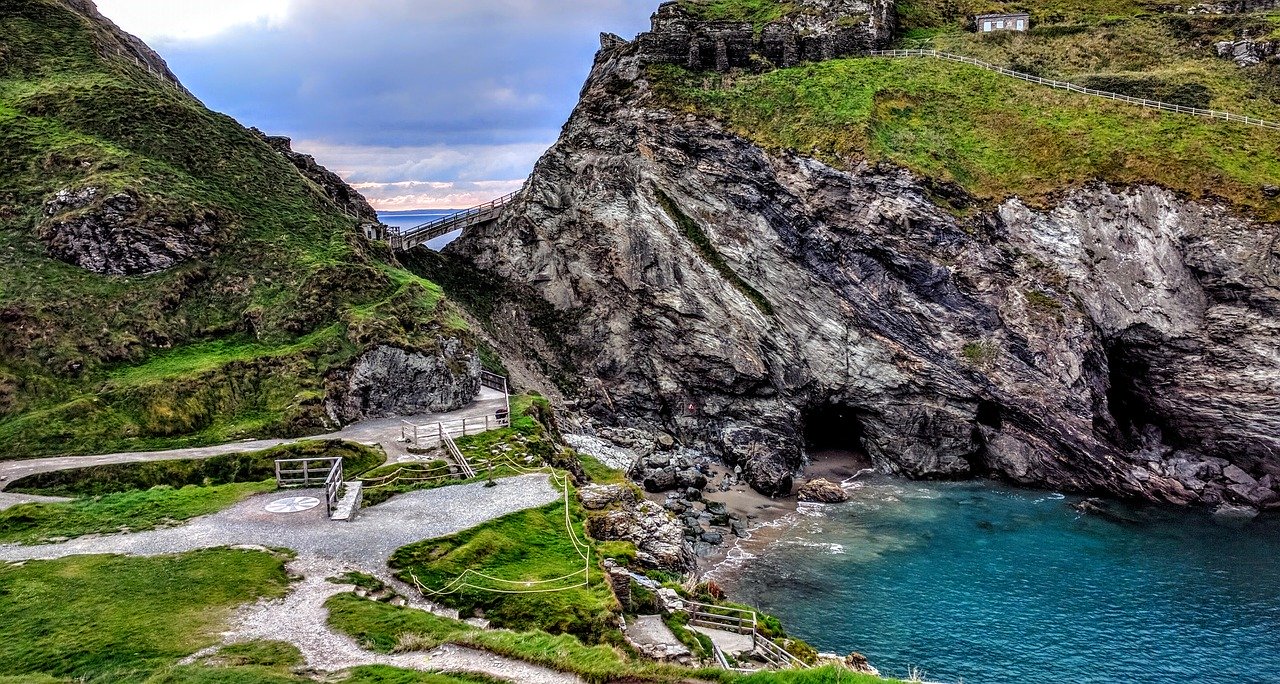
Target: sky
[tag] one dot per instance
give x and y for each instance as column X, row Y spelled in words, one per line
column 420, row 104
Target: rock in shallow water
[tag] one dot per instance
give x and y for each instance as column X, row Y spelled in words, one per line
column 822, row 491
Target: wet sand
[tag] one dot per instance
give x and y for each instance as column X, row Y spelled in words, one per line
column 770, row 519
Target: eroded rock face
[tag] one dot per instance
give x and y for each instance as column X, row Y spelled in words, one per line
column 389, row 381
column 1120, row 342
column 621, row 516
column 116, row 234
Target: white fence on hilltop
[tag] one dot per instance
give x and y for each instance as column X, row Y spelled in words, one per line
column 1063, row 85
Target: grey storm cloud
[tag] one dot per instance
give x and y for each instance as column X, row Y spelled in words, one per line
column 410, row 90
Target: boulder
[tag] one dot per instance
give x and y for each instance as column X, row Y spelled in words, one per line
column 858, row 663
column 1231, row 513
column 1238, row 476
column 389, row 381
column 767, row 458
column 822, row 491
column 599, row 497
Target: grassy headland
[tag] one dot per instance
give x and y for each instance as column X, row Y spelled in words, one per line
column 233, row 343
column 995, row 136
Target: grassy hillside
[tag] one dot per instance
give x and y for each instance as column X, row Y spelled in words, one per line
column 998, row 137
column 1143, row 49
column 231, row 343
column 995, row 136
column 93, row 618
column 759, row 12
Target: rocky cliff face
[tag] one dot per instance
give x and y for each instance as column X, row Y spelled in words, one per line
column 1120, row 341
column 389, row 381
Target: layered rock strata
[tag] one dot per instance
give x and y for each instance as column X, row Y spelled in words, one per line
column 1120, row 341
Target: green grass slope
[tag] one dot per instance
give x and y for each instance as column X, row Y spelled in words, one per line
column 229, row 344
column 999, row 137
column 94, row 618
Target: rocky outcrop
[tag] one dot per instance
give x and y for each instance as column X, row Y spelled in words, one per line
column 389, row 381
column 1229, row 7
column 1247, row 52
column 822, row 491
column 661, row 472
column 116, row 233
column 1119, row 342
column 331, row 184
column 814, row 30
column 616, row 513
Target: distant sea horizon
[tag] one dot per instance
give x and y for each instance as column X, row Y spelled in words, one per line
column 409, row 218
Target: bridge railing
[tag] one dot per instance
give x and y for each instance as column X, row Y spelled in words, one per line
column 447, row 224
column 741, row 621
column 1064, row 85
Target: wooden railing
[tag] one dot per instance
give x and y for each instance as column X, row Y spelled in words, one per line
column 307, row 472
column 461, row 427
column 458, row 457
column 737, row 620
column 1063, row 85
column 493, row 381
column 776, row 655
column 412, row 237
column 740, row 621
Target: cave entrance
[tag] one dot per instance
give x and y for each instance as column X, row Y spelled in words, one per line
column 833, row 436
column 1130, row 397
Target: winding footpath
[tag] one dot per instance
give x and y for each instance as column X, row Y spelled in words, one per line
column 324, row 549
column 328, row 549
column 383, row 431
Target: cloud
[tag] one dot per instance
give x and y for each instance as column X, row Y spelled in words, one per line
column 390, row 164
column 434, row 195
column 449, row 91
column 165, row 21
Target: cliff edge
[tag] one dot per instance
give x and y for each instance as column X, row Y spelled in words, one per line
column 678, row 273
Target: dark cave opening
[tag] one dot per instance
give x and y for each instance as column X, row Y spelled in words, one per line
column 990, row 414
column 833, row 427
column 1129, row 397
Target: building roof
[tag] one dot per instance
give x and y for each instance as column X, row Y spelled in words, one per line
column 1005, row 15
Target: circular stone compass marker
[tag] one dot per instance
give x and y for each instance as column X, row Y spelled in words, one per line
column 293, row 504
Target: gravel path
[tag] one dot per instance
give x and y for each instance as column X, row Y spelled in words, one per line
column 365, row 543
column 385, row 431
column 302, row 620
column 328, row 549
column 11, row 500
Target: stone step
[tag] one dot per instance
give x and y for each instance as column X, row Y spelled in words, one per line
column 349, row 505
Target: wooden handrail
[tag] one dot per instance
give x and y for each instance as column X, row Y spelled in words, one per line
column 411, row 237
column 1064, row 85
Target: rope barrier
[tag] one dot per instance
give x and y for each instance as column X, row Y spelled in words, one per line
column 582, row 548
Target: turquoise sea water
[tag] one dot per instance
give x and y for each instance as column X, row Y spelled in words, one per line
column 990, row 584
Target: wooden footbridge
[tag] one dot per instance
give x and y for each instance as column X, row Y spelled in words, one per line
column 406, row 239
